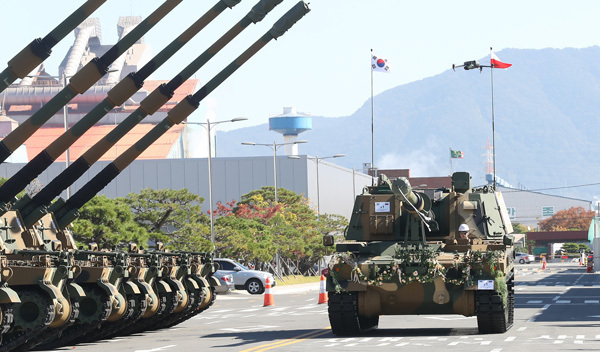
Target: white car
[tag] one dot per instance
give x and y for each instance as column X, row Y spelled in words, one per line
column 226, row 281
column 253, row 281
column 523, row 258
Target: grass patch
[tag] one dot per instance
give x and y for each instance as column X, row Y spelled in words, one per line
column 290, row 280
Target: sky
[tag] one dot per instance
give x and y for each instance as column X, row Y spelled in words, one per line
column 322, row 65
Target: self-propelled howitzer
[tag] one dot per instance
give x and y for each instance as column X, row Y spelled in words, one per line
column 403, row 256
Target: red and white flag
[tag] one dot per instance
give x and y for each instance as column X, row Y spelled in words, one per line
column 496, row 63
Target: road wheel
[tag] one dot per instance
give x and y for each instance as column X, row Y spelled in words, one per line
column 255, row 287
column 521, row 261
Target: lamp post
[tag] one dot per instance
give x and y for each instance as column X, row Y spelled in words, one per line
column 207, row 125
column 274, row 147
column 318, row 159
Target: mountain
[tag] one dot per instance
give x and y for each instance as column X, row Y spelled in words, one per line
column 546, row 118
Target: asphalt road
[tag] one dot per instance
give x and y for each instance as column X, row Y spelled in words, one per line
column 557, row 309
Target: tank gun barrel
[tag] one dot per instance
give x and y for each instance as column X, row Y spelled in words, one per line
column 65, row 214
column 40, row 49
column 116, row 97
column 413, row 202
column 148, row 106
column 81, row 81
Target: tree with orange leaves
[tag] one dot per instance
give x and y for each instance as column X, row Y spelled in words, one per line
column 572, row 219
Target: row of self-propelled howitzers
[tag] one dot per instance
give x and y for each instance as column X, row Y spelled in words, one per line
column 52, row 293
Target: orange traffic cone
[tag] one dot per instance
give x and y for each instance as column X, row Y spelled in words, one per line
column 323, row 297
column 268, row 295
column 543, row 263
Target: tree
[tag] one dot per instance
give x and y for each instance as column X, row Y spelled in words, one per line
column 107, row 222
column 173, row 217
column 572, row 219
column 519, row 228
column 257, row 228
column 570, row 247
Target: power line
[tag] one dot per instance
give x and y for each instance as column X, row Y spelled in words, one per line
column 552, row 188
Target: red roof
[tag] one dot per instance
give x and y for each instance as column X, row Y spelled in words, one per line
column 158, row 150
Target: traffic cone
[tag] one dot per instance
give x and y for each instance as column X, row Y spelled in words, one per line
column 268, row 295
column 543, row 263
column 323, row 297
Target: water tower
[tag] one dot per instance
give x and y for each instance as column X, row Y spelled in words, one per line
column 290, row 124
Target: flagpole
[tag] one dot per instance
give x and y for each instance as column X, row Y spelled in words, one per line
column 451, row 169
column 493, row 127
column 372, row 129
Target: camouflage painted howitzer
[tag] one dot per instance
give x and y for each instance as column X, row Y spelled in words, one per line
column 43, row 278
column 402, row 256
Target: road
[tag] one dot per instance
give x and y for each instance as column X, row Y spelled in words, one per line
column 556, row 309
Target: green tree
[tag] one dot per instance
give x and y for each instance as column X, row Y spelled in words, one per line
column 109, row 223
column 519, row 228
column 570, row 247
column 173, row 217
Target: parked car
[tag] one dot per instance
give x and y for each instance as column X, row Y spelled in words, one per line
column 226, row 281
column 253, row 281
column 524, row 258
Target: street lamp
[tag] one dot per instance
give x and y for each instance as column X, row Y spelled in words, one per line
column 274, row 147
column 207, row 125
column 318, row 160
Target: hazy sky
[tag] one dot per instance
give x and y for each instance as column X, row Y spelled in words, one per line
column 322, row 65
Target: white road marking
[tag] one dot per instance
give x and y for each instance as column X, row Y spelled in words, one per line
column 591, row 301
column 157, row 349
column 442, row 317
column 510, row 338
column 533, row 302
column 249, row 310
column 250, row 328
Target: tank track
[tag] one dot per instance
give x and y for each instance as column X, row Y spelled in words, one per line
column 493, row 316
column 15, row 340
column 344, row 317
column 133, row 312
column 50, row 333
column 167, row 304
column 78, row 329
column 194, row 309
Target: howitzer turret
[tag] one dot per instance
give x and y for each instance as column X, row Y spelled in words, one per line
column 81, row 81
column 39, row 50
column 403, row 256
